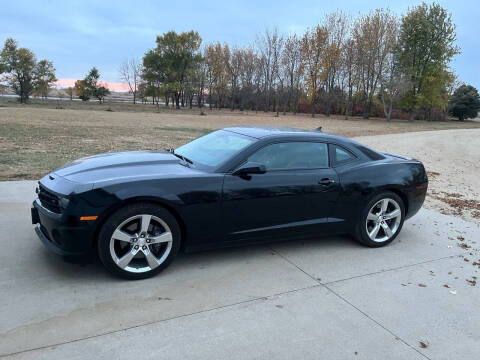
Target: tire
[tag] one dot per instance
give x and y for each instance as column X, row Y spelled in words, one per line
column 377, row 217
column 139, row 241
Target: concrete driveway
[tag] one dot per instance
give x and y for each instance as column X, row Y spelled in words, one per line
column 328, row 298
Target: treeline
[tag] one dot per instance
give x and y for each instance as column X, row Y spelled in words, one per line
column 375, row 64
column 378, row 64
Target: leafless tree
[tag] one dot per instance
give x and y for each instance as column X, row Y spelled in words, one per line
column 350, row 74
column 130, row 71
column 270, row 45
column 392, row 82
column 373, row 35
column 291, row 68
column 336, row 24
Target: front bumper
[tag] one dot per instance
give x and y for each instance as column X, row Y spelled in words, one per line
column 62, row 233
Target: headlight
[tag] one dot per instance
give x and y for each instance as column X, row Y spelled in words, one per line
column 63, row 202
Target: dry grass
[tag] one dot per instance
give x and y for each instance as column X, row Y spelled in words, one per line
column 35, row 139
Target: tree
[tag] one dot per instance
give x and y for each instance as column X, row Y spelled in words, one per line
column 426, row 43
column 92, row 78
column 350, row 73
column 130, row 72
column 81, row 90
column 19, row 65
column 314, row 43
column 291, row 68
column 169, row 63
column 44, row 77
column 217, row 73
column 392, row 82
column 374, row 38
column 101, row 92
column 435, row 92
column 270, row 45
column 94, row 87
column 336, row 25
column 70, row 91
column 91, row 87
column 464, row 103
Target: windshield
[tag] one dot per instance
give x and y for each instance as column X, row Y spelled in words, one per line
column 214, row 148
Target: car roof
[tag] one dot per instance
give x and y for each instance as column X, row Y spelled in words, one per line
column 260, row 132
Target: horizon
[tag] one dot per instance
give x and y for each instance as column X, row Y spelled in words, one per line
column 77, row 37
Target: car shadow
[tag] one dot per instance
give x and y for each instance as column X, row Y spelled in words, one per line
column 89, row 267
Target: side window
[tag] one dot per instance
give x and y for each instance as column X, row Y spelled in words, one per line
column 340, row 155
column 292, row 155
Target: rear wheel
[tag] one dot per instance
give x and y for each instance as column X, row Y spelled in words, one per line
column 139, row 241
column 381, row 220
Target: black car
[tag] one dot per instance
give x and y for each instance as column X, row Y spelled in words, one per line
column 238, row 185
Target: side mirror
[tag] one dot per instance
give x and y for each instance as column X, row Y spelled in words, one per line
column 250, row 168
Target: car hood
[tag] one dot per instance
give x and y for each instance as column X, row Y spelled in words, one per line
column 121, row 165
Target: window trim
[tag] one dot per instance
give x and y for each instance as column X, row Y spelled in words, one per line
column 333, row 162
column 290, row 169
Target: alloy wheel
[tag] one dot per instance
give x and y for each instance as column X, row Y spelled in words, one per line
column 383, row 220
column 141, row 243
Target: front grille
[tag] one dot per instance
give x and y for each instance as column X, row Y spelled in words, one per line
column 49, row 200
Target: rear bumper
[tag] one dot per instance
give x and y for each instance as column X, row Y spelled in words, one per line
column 61, row 233
column 415, row 200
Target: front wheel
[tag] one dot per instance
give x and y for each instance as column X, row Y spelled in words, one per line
column 139, row 241
column 381, row 220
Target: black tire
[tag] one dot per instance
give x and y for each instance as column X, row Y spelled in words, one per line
column 121, row 216
column 361, row 234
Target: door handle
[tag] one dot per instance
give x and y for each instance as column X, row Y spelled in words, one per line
column 326, row 181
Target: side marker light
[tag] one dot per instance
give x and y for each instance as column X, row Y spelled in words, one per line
column 88, row 218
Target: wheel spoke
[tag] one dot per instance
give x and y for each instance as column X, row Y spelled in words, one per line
column 387, row 230
column 374, row 232
column 393, row 214
column 384, row 205
column 121, row 235
column 145, row 223
column 151, row 259
column 371, row 216
column 165, row 237
column 125, row 259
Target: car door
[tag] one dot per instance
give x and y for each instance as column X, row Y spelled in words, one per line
column 282, row 202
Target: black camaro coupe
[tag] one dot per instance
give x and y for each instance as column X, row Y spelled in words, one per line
column 238, row 185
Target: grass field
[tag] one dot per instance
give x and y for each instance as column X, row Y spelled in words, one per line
column 37, row 138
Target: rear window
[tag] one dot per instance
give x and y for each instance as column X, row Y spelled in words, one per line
column 371, row 154
column 341, row 155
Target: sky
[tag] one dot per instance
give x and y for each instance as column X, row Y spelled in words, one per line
column 77, row 35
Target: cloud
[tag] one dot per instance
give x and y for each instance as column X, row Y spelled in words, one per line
column 111, row 85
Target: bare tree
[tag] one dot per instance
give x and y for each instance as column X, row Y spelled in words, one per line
column 336, row 25
column 234, row 65
column 270, row 45
column 247, row 77
column 291, row 68
column 350, row 74
column 373, row 35
column 392, row 82
column 70, row 91
column 130, row 72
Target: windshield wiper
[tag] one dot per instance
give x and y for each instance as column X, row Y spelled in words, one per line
column 181, row 157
